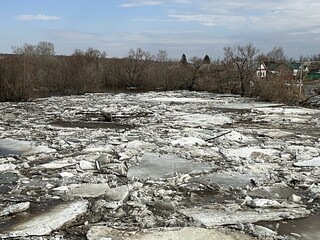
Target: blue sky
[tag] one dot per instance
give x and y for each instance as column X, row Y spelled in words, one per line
column 193, row 27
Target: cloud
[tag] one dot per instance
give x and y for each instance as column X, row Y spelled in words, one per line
column 41, row 17
column 205, row 26
column 139, row 4
column 183, row 1
column 141, row 19
column 208, row 20
column 248, row 15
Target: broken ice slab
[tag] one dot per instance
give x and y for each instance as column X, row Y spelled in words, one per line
column 83, row 190
column 211, row 217
column 58, row 164
column 276, row 191
column 86, row 165
column 252, row 153
column 136, row 144
column 204, row 119
column 191, row 233
column 87, row 190
column 7, row 167
column 117, row 194
column 11, row 146
column 315, row 162
column 260, row 231
column 228, row 178
column 188, row 142
column 15, row 208
column 264, row 203
column 46, row 222
column 274, row 133
column 164, row 166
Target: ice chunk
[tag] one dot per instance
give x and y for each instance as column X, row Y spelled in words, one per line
column 88, row 190
column 15, row 208
column 117, row 194
column 216, row 217
column 139, row 144
column 46, row 222
column 205, row 119
column 164, row 166
column 12, row 146
column 7, row 166
column 315, row 162
column 190, row 233
column 263, row 203
column 58, row 164
column 188, row 141
column 86, row 165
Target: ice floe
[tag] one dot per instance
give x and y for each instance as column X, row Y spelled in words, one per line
column 156, row 165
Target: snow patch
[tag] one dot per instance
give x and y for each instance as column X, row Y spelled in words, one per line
column 188, row 141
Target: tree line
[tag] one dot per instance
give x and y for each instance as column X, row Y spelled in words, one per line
column 36, row 71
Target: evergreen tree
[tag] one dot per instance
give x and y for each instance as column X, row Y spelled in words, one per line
column 183, row 59
column 206, row 59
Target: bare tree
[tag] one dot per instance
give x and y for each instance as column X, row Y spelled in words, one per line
column 314, row 57
column 276, row 55
column 26, row 50
column 45, row 49
column 162, row 56
column 243, row 58
column 87, row 69
column 17, row 78
column 196, row 72
column 159, row 72
column 41, row 49
column 131, row 70
column 221, row 75
column 184, row 74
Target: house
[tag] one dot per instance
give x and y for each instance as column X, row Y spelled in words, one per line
column 261, row 71
column 313, row 69
column 281, row 70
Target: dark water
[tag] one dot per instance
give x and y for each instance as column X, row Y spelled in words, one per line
column 307, row 228
column 6, row 151
column 7, row 181
column 91, row 125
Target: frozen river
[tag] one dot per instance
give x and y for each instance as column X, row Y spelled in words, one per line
column 111, row 166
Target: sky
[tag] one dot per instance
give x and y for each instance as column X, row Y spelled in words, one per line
column 193, row 27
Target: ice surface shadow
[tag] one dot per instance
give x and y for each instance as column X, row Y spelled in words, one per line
column 90, row 125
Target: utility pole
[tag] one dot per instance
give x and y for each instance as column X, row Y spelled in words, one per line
column 300, row 79
column 302, row 66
